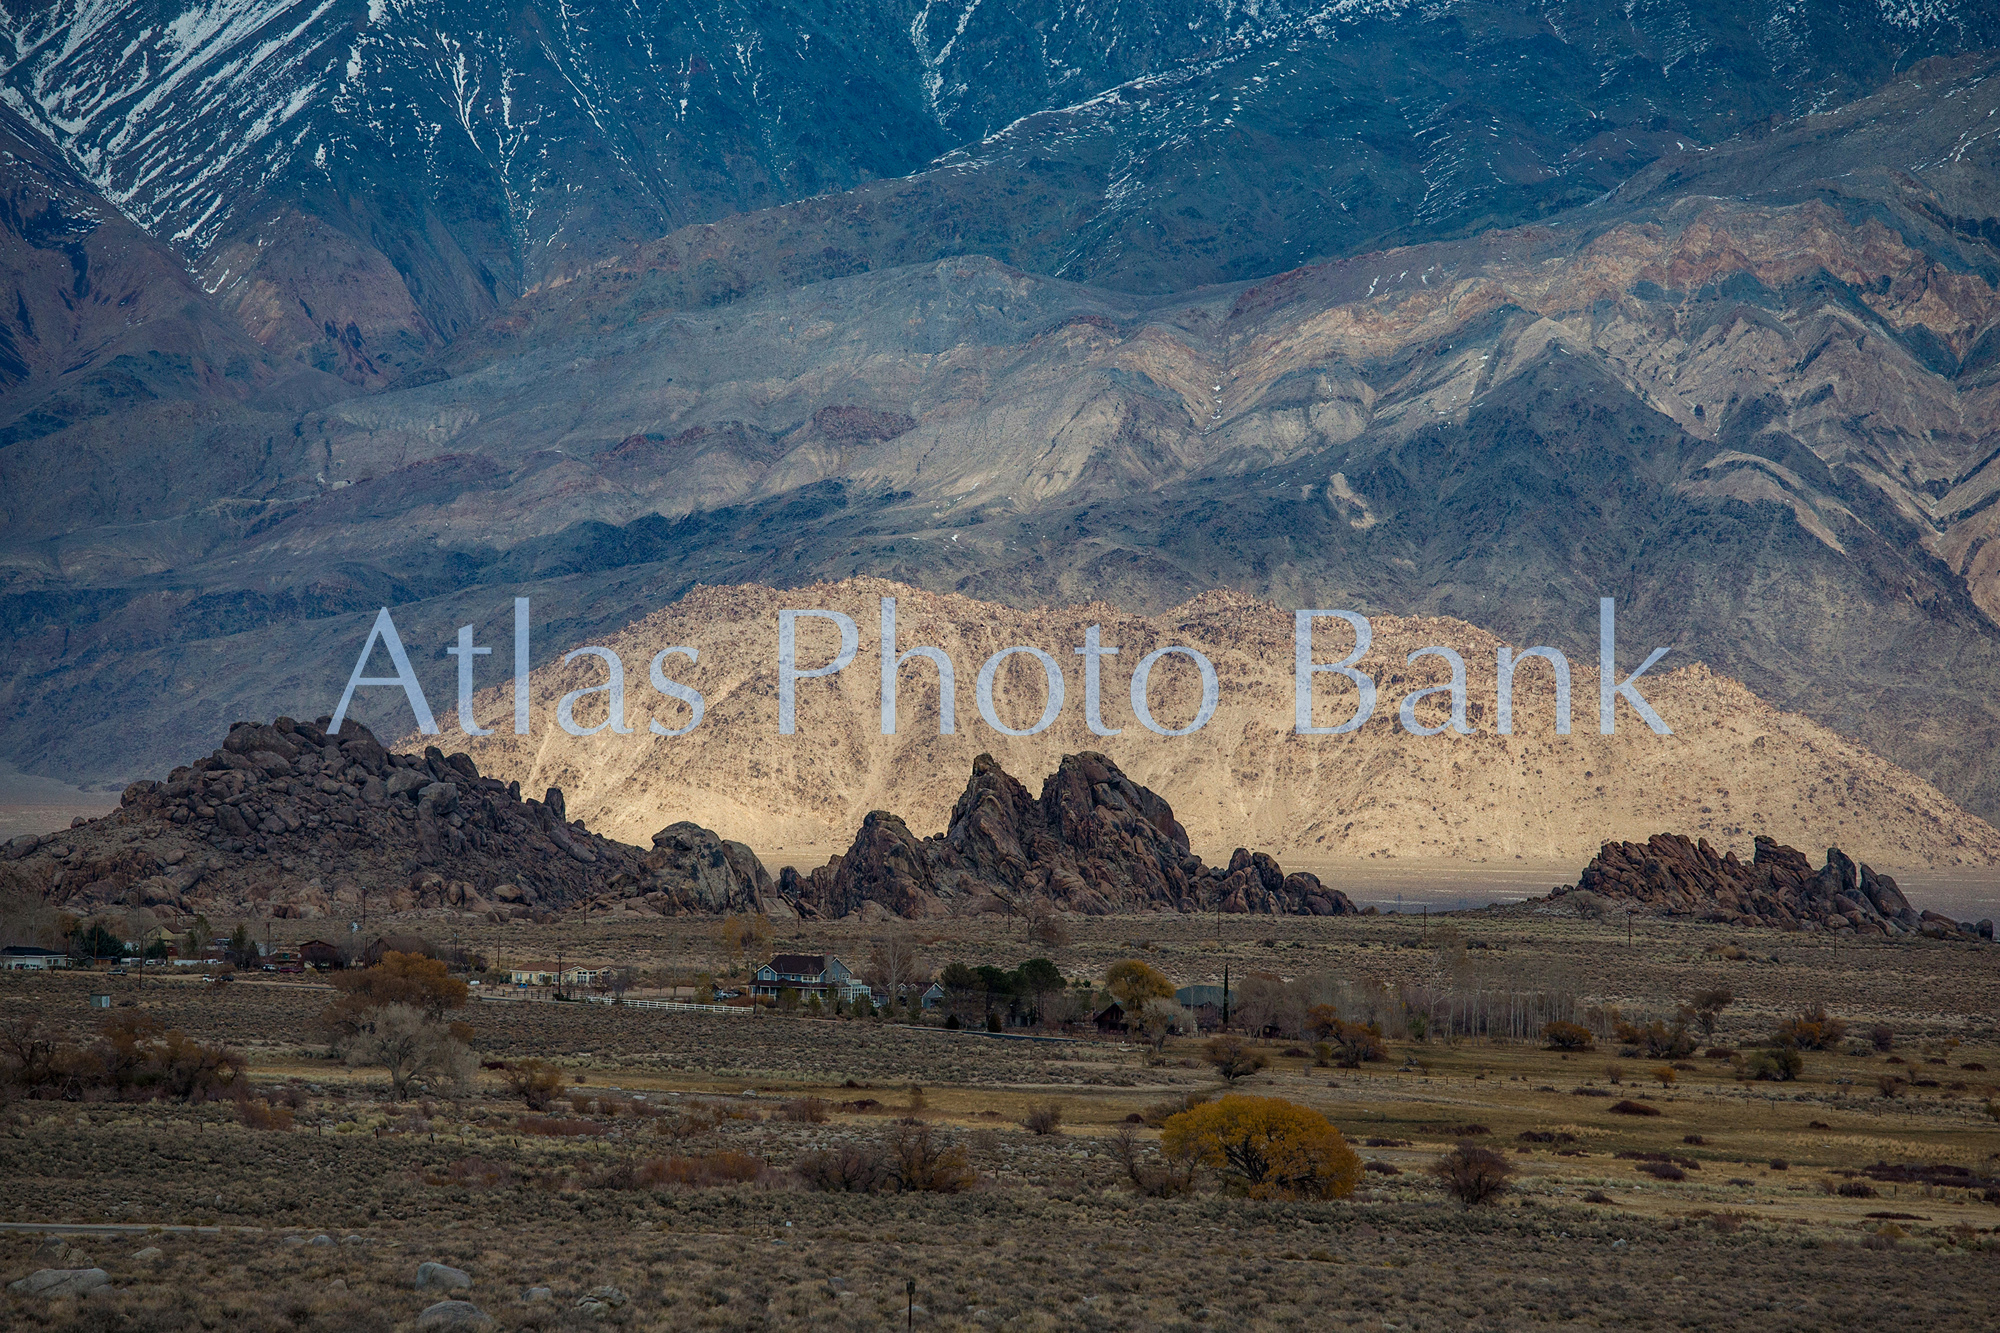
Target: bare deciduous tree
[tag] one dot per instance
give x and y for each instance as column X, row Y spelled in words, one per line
column 407, row 1045
column 895, row 965
column 1160, row 1018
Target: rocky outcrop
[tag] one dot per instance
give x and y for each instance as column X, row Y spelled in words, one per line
column 1094, row 842
column 694, row 870
column 290, row 822
column 1669, row 875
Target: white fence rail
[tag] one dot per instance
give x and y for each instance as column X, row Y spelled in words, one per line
column 676, row 1006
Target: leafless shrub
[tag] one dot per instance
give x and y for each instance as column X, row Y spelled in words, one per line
column 722, row 1167
column 1855, row 1189
column 534, row 1081
column 921, row 1161
column 260, row 1114
column 805, row 1110
column 1233, row 1057
column 1473, row 1175
column 1662, row 1170
column 850, row 1169
column 1043, row 1118
column 1159, row 1113
column 1158, row 1175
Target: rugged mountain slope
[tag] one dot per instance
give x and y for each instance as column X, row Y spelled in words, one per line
column 1765, row 424
column 1733, row 766
column 361, row 181
column 96, row 316
column 1314, row 132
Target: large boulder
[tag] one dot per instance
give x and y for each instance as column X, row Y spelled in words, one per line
column 50, row 1283
column 446, row 1315
column 698, row 871
column 886, row 864
column 442, row 1277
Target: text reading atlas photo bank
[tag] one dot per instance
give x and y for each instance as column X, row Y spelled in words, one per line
column 1094, row 652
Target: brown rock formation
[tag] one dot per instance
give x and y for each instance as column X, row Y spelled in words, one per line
column 287, row 821
column 1094, row 842
column 693, row 870
column 1670, row 875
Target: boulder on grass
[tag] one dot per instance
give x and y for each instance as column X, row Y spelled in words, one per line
column 53, row 1282
column 453, row 1315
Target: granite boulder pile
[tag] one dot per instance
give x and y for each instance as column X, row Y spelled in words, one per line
column 288, row 821
column 1670, row 875
column 1093, row 842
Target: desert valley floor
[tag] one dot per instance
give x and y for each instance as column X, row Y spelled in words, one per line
column 668, row 1184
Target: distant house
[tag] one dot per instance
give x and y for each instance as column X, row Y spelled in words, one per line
column 29, row 958
column 1207, row 1004
column 807, row 974
column 321, row 955
column 928, row 998
column 1111, row 1018
column 1207, row 1017
column 534, row 974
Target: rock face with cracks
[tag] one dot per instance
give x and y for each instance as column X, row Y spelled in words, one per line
column 1671, row 875
column 292, row 822
column 1094, row 842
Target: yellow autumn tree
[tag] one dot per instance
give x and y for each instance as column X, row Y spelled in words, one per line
column 1136, row 981
column 1273, row 1148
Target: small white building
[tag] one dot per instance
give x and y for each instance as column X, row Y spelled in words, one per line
column 29, row 958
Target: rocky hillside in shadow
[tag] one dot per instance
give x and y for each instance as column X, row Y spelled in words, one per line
column 1673, row 876
column 290, row 822
column 1095, row 842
